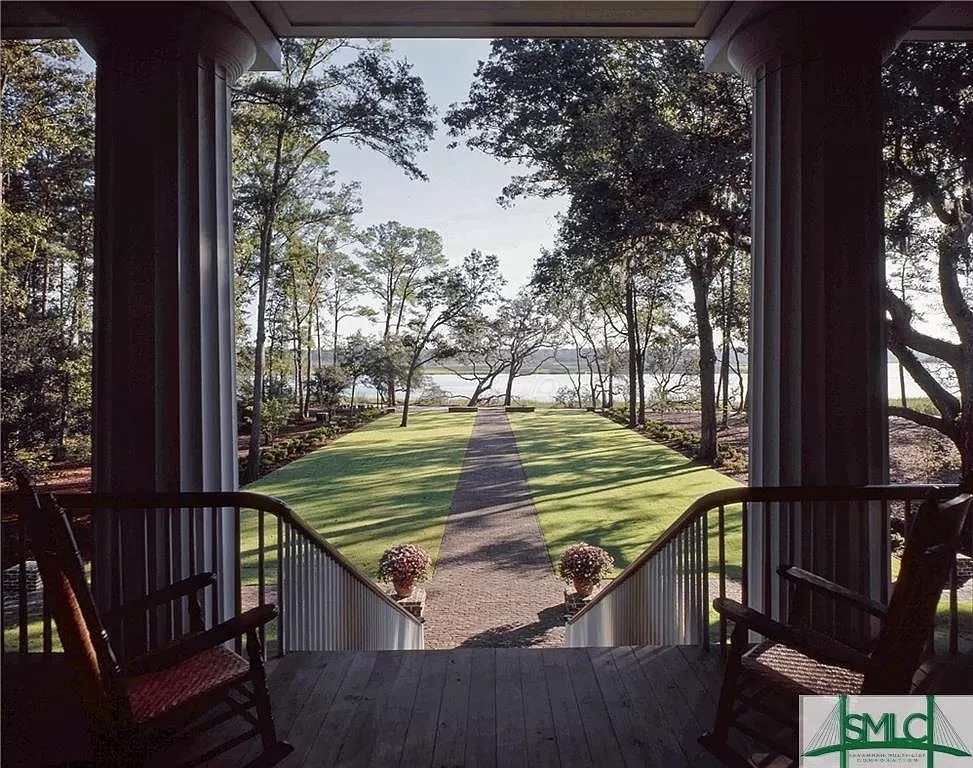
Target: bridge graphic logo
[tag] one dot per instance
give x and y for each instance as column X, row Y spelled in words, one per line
column 846, row 731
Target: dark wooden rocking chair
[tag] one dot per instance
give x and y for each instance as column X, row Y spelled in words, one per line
column 169, row 694
column 766, row 679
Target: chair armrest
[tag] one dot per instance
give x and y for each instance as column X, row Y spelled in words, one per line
column 824, row 587
column 159, row 597
column 819, row 647
column 190, row 645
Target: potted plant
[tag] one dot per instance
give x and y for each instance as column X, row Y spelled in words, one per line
column 585, row 565
column 403, row 565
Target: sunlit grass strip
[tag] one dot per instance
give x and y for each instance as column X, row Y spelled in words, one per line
column 595, row 481
column 375, row 487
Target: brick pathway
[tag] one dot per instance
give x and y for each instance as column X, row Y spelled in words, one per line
column 494, row 585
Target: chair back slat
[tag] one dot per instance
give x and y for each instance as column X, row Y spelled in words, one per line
column 72, row 606
column 930, row 550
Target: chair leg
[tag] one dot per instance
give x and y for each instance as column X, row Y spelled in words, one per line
column 717, row 741
column 265, row 716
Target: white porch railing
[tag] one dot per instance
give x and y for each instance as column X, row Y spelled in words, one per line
column 324, row 601
column 664, row 596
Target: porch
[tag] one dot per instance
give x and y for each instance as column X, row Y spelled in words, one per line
column 633, row 705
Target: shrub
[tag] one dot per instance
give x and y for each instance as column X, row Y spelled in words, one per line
column 585, row 563
column 403, row 562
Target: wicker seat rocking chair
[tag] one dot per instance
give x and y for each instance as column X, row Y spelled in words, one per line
column 766, row 679
column 169, row 694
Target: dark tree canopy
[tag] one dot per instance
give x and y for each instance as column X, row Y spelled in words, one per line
column 929, row 193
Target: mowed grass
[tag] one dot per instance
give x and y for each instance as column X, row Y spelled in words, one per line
column 595, row 481
column 378, row 486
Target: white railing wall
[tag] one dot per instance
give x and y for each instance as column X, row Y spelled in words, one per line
column 664, row 596
column 325, row 605
column 324, row 601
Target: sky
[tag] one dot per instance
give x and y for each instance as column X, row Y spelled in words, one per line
column 460, row 199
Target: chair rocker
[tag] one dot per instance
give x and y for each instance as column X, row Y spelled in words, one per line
column 766, row 679
column 172, row 693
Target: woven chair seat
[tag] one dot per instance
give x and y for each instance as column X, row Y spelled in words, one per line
column 792, row 670
column 155, row 693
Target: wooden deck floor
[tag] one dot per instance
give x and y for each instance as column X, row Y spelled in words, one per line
column 504, row 707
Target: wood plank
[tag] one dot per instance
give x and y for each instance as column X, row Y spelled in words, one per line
column 572, row 746
column 686, row 667
column 538, row 720
column 511, row 734
column 450, row 749
column 664, row 718
column 708, row 669
column 481, row 718
column 332, row 718
column 603, row 744
column 290, row 681
column 420, row 739
column 365, row 724
column 395, row 716
column 641, row 740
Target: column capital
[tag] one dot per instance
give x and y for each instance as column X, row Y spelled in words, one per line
column 184, row 30
column 792, row 33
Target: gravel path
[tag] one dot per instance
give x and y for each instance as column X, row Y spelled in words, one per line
column 494, row 585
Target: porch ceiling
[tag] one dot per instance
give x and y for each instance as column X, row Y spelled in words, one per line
column 271, row 20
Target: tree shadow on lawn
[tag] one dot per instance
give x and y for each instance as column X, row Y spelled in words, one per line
column 519, row 635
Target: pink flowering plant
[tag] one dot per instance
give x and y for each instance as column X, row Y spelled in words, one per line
column 404, row 562
column 585, row 563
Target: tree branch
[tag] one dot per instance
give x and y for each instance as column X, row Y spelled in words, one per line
column 943, row 400
column 923, row 419
column 900, row 326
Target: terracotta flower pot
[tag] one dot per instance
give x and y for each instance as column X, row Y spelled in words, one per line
column 403, row 587
column 584, row 588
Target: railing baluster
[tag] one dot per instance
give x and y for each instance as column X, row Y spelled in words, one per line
column 765, row 575
column 282, row 634
column 216, row 528
column 705, row 576
column 953, row 610
column 22, row 586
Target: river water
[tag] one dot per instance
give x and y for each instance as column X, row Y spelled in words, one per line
column 543, row 387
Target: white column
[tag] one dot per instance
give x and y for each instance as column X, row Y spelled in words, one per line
column 817, row 355
column 164, row 352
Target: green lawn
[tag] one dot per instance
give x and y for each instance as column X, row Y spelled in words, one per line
column 593, row 480
column 374, row 487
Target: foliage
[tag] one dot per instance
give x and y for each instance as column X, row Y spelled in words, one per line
column 444, row 300
column 328, row 384
column 404, row 562
column 46, row 245
column 654, row 155
column 929, row 194
column 524, row 328
column 276, row 411
column 585, row 563
column 328, row 90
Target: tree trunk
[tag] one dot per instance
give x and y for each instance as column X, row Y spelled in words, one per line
column 307, row 390
column 413, row 364
column 707, row 365
column 727, row 302
column 640, row 363
column 253, row 454
column 741, row 381
column 632, row 337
